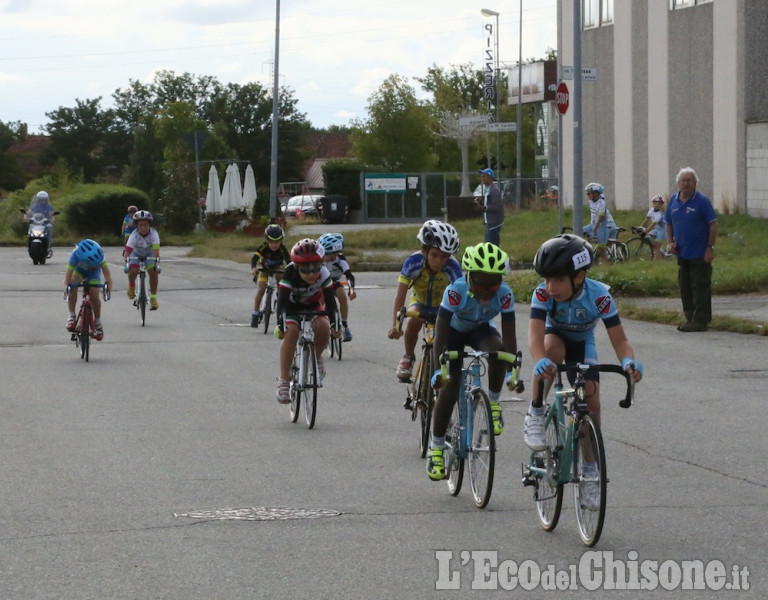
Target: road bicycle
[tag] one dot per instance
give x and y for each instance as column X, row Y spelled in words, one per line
column 85, row 323
column 573, row 439
column 470, row 434
column 304, row 377
column 269, row 300
column 420, row 395
column 641, row 246
column 615, row 249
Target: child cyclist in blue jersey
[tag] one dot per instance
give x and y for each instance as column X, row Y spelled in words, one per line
column 465, row 318
column 426, row 273
column 269, row 258
column 306, row 285
column 86, row 263
column 565, row 310
column 336, row 263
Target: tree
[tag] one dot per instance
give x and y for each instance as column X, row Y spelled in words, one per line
column 11, row 175
column 398, row 132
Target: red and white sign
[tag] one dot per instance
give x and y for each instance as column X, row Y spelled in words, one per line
column 562, row 97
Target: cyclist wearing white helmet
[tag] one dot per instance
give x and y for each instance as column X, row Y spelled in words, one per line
column 336, row 263
column 271, row 257
column 426, row 273
column 601, row 225
column 653, row 225
column 143, row 245
column 86, row 263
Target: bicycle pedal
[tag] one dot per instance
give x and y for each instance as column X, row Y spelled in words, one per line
column 408, row 404
column 73, row 337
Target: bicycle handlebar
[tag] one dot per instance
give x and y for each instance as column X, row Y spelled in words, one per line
column 513, row 359
column 603, row 368
column 107, row 293
column 429, row 317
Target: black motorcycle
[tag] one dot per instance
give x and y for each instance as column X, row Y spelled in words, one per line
column 38, row 244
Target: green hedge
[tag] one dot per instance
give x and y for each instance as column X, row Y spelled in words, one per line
column 100, row 208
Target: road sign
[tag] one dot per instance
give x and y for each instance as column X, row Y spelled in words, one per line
column 503, row 127
column 562, row 97
column 473, row 121
column 587, row 73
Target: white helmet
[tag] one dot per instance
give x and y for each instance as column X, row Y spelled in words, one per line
column 42, row 196
column 440, row 235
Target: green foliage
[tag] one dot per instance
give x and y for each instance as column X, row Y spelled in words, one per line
column 178, row 201
column 11, row 175
column 342, row 176
column 99, row 209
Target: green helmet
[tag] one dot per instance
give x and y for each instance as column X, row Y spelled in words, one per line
column 485, row 258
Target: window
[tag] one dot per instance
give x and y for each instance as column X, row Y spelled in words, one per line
column 596, row 12
column 676, row 4
column 606, row 12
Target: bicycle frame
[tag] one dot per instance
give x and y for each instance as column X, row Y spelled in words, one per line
column 81, row 338
column 306, row 338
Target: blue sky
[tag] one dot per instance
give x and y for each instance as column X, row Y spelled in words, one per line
column 333, row 53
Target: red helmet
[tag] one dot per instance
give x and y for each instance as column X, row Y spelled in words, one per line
column 307, row 250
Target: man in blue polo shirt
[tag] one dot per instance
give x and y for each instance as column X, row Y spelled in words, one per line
column 691, row 225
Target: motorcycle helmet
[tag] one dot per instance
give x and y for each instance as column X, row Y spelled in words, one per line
column 439, row 235
column 485, row 258
column 331, row 242
column 563, row 255
column 274, row 233
column 132, row 208
column 89, row 254
column 42, row 196
column 142, row 215
column 306, row 251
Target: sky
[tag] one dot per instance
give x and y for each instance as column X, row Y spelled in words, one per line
column 333, row 53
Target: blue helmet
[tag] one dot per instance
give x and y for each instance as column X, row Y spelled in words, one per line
column 331, row 242
column 89, row 254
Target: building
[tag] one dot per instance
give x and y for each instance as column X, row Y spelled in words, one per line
column 679, row 83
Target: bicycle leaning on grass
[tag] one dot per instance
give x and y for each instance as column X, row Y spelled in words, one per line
column 420, row 395
column 470, row 433
column 85, row 323
column 575, row 454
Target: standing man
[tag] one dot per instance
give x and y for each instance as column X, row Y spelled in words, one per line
column 691, row 225
column 492, row 207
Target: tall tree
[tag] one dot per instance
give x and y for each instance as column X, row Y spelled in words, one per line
column 397, row 134
column 11, row 175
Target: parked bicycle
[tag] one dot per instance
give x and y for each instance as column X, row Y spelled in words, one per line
column 616, row 250
column 304, row 377
column 641, row 246
column 269, row 300
column 85, row 323
column 420, row 396
column 470, row 434
column 573, row 441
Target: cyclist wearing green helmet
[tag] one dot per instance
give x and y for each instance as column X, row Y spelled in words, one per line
column 465, row 318
column 270, row 257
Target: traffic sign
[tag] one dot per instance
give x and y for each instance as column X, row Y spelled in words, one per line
column 504, row 127
column 562, row 97
column 474, row 121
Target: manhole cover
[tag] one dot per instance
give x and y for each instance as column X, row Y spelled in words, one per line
column 262, row 513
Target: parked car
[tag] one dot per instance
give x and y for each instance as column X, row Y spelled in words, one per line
column 306, row 203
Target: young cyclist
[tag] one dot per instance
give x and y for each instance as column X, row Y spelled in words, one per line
column 128, row 226
column 653, row 225
column 601, row 226
column 427, row 273
column 143, row 244
column 306, row 285
column 465, row 318
column 337, row 264
column 268, row 259
column 86, row 263
column 565, row 310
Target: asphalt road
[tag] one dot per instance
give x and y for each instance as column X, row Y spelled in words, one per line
column 164, row 468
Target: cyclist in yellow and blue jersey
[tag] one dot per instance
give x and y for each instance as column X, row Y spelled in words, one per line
column 426, row 273
column 269, row 258
column 466, row 318
column 87, row 263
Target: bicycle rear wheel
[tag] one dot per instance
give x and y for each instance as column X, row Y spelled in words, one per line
column 309, row 385
column 481, row 458
column 142, row 296
column 639, row 248
column 266, row 310
column 453, row 464
column 548, row 489
column 86, row 318
column 589, row 488
column 425, row 401
column 295, row 393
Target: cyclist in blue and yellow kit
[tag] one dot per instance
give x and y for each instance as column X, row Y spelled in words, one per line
column 86, row 263
column 465, row 318
column 426, row 273
column 269, row 258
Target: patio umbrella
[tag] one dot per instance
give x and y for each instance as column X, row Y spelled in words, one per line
column 213, row 197
column 249, row 189
column 232, row 192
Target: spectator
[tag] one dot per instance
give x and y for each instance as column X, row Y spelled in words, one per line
column 492, row 207
column 691, row 225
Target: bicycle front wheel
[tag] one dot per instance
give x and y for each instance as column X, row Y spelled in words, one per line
column 453, row 464
column 309, row 385
column 482, row 450
column 142, row 297
column 294, row 389
column 548, row 487
column 266, row 311
column 639, row 248
column 590, row 480
column 425, row 401
column 86, row 318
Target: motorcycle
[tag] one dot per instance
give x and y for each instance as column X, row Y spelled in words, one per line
column 37, row 240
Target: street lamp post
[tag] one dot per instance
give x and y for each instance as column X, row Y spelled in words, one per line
column 519, row 169
column 275, row 120
column 487, row 12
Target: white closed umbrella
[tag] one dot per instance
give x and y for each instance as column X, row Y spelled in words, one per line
column 232, row 192
column 249, row 189
column 213, row 196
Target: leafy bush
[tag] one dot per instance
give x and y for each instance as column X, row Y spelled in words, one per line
column 342, row 176
column 95, row 209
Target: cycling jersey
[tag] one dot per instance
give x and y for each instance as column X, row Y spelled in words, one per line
column 576, row 319
column 296, row 294
column 269, row 259
column 466, row 313
column 86, row 272
column 426, row 287
column 339, row 267
column 143, row 245
column 656, row 231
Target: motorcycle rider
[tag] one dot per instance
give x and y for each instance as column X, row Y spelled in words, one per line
column 41, row 204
